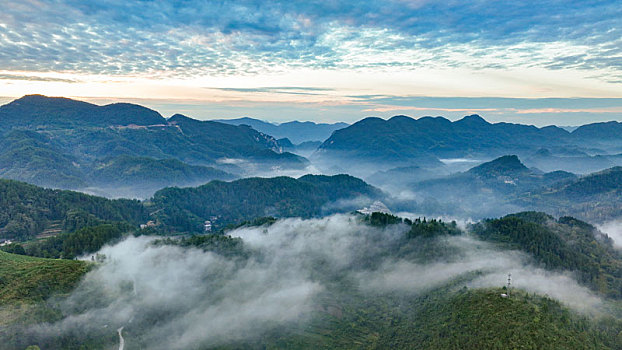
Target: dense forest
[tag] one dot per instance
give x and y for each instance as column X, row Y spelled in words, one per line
column 27, row 210
column 563, row 244
column 185, row 209
column 74, row 244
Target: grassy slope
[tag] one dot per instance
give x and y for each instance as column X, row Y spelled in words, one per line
column 27, row 279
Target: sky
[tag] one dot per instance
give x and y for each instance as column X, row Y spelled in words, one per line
column 534, row 62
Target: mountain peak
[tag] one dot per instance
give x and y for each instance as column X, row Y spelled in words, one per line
column 473, row 119
column 503, row 166
column 45, row 101
column 40, row 110
column 32, row 97
column 175, row 118
column 400, row 117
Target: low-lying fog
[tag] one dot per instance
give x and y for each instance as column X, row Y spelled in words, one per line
column 178, row 298
column 614, row 230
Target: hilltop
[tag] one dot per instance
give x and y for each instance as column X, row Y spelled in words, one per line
column 186, row 209
column 34, row 111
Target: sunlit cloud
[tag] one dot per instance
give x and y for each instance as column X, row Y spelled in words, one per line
column 316, row 54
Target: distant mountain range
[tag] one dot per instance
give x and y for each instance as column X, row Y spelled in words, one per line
column 297, row 132
column 403, row 141
column 63, row 143
column 128, row 150
column 506, row 174
column 595, row 197
column 506, row 184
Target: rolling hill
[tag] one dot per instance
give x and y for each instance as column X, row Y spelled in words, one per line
column 38, row 111
column 562, row 244
column 487, row 189
column 185, row 209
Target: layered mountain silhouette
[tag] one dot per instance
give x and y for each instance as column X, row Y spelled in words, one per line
column 502, row 176
column 62, row 143
column 297, row 132
column 506, row 184
column 404, row 141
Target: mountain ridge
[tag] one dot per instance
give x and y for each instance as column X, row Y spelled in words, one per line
column 400, row 140
column 297, row 131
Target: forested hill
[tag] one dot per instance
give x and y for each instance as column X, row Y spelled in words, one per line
column 186, row 209
column 563, row 244
column 52, row 112
column 497, row 179
column 27, row 210
column 59, row 143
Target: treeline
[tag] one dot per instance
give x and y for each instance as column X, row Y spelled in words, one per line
column 564, row 244
column 420, row 227
column 84, row 241
column 27, row 210
column 218, row 243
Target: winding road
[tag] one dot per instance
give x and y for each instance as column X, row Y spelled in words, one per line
column 121, row 340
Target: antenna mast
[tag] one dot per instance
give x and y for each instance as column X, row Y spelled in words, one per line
column 509, row 283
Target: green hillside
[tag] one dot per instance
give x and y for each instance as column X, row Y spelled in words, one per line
column 185, row 209
column 27, row 210
column 34, row 158
column 444, row 319
column 565, row 244
column 29, row 279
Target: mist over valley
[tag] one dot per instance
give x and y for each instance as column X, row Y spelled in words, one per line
column 243, row 174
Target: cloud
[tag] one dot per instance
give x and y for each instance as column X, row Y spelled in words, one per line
column 229, row 37
column 613, row 229
column 494, row 267
column 170, row 297
column 206, row 298
column 35, row 78
column 290, row 90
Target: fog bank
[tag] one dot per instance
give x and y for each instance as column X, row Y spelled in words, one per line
column 173, row 297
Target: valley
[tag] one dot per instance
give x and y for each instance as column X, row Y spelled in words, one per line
column 124, row 229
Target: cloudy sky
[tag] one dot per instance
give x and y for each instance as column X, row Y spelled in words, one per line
column 537, row 62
